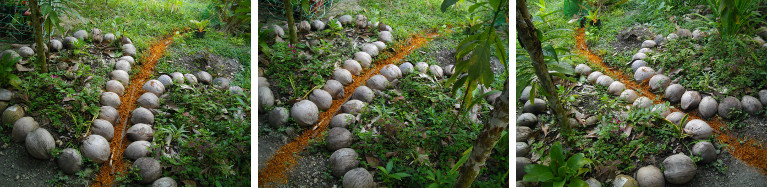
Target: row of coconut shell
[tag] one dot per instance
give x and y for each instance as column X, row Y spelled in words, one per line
column 679, row 168
column 706, row 105
column 360, row 22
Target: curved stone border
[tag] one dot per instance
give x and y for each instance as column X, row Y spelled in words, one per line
column 691, row 99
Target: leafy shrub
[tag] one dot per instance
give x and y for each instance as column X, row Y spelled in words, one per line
column 559, row 172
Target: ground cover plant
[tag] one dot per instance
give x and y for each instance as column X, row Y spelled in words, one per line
column 618, row 79
column 410, row 129
column 106, row 112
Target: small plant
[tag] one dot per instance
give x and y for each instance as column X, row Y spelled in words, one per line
column 7, row 64
column 559, row 172
column 388, row 175
column 200, row 25
column 678, row 129
column 440, row 180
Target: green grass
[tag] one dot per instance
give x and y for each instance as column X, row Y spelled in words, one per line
column 424, row 134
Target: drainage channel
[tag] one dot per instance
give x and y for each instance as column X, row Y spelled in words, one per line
column 274, row 170
column 117, row 163
column 749, row 150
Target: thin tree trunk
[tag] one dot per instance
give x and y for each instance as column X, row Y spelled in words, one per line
column 291, row 21
column 38, row 29
column 491, row 133
column 529, row 39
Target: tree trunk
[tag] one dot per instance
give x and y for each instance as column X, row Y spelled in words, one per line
column 291, row 21
column 38, row 30
column 491, row 133
column 528, row 37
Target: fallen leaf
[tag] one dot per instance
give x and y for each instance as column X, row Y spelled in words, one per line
column 191, row 183
column 372, row 161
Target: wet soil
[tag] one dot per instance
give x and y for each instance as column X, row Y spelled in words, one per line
column 18, row 169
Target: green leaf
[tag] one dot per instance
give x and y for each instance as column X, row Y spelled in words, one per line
column 464, row 157
column 557, row 155
column 446, row 4
column 577, row 161
column 389, row 165
column 575, row 182
column 433, row 185
column 400, row 175
column 537, row 173
column 559, row 183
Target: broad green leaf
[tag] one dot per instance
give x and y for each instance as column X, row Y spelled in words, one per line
column 537, row 173
column 383, row 170
column 446, row 4
column 475, row 6
column 557, row 155
column 559, row 183
column 464, row 157
column 575, row 182
column 401, row 175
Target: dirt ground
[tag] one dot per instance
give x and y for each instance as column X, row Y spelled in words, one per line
column 18, row 168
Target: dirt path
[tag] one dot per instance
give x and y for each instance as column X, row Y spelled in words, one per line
column 276, row 170
column 19, row 169
column 117, row 163
column 745, row 155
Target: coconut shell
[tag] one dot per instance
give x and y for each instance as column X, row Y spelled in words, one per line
column 436, row 71
column 521, row 163
column 707, row 107
column 110, row 99
column 305, row 113
column 391, row 72
column 334, row 88
column 154, row 86
column 378, row 82
column 149, row 100
column 321, row 98
column 650, row 176
column 338, row 138
column 421, row 67
column 22, row 127
column 539, row 106
column 676, row 118
column 679, row 169
column 674, row 93
column 120, row 75
column 523, row 133
column 705, row 150
column 363, row 58
column 690, row 100
column 628, row 95
column 70, row 161
column 751, row 105
column 39, row 144
column 643, row 73
column 592, row 78
column 358, row 178
column 95, row 148
column 278, row 117
column 109, row 113
column 728, row 106
column 659, row 82
column 624, row 181
column 165, row 182
column 523, row 149
column 149, row 169
column 582, row 69
column 527, row 120
column 165, row 80
column 179, row 78
column 142, row 115
column 137, row 149
column 616, row 88
column 343, row 76
column 191, row 79
column 343, row 160
column 353, row 106
column 265, row 98
column 342, row 120
column 642, row 102
column 637, row 64
column 364, row 94
column 123, row 65
column 605, row 80
column 698, row 129
column 103, row 128
column 140, row 132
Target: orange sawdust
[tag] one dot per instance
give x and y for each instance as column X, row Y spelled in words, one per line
column 274, row 170
column 750, row 150
column 116, row 164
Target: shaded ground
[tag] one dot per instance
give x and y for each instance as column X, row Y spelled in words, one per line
column 738, row 174
column 20, row 169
